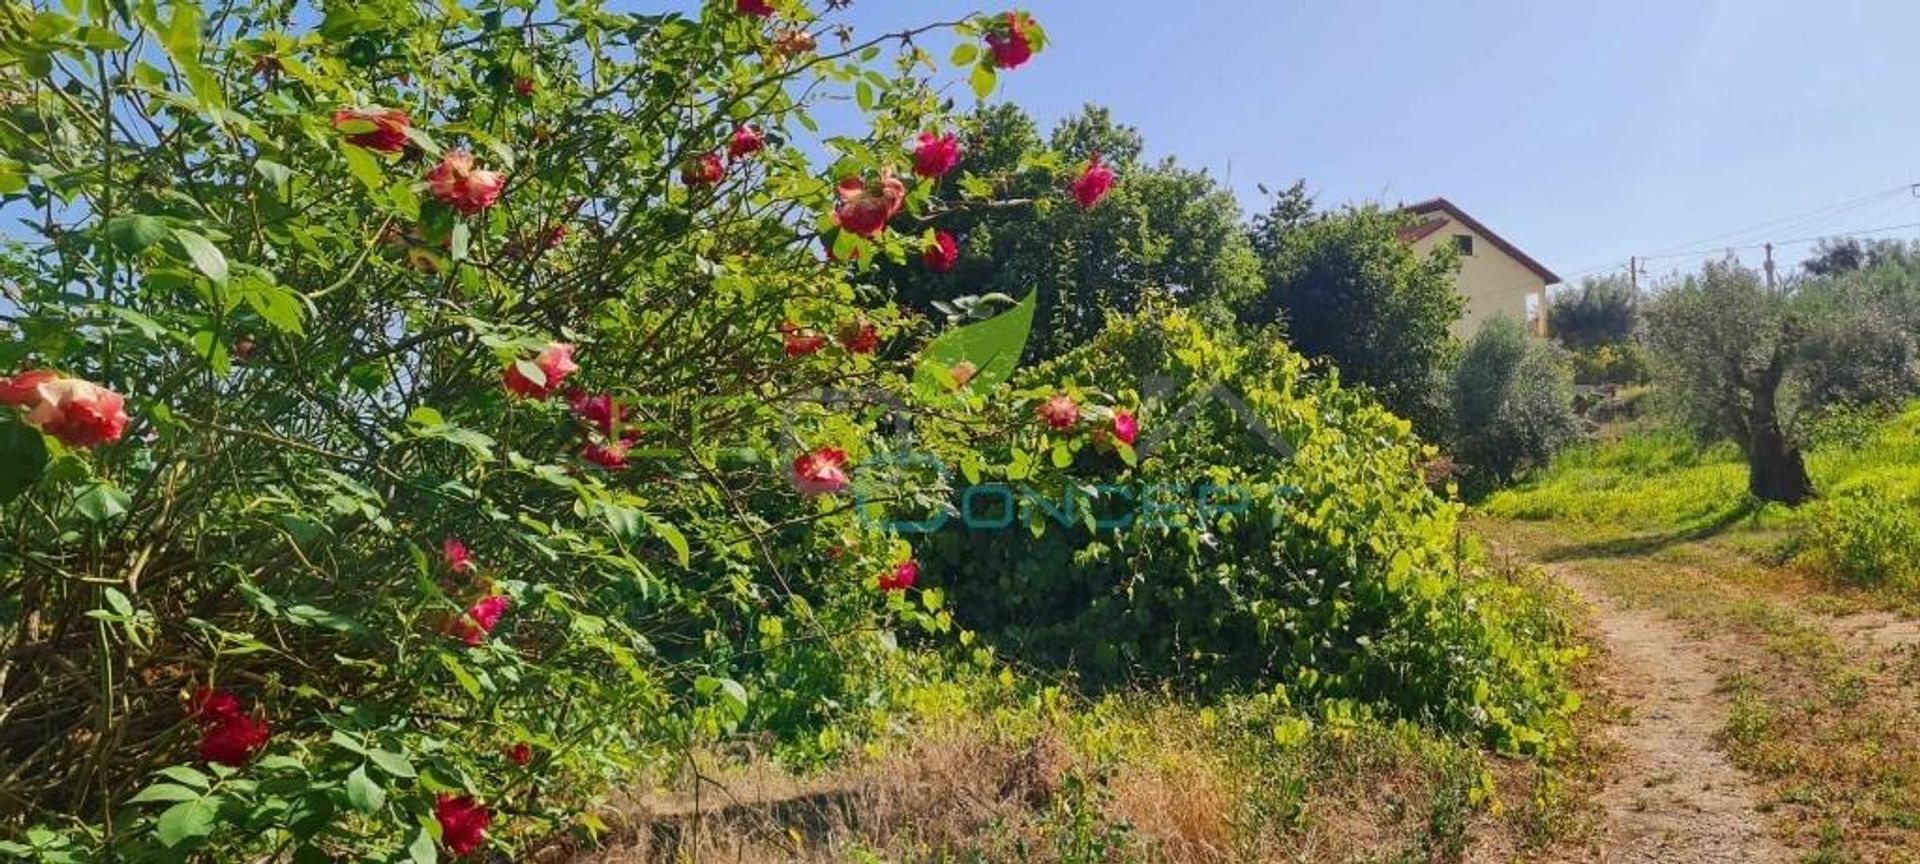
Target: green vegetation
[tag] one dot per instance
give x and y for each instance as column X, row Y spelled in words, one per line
column 1164, row 231
column 1345, row 289
column 1319, row 563
column 1512, row 404
column 423, row 423
column 1660, row 480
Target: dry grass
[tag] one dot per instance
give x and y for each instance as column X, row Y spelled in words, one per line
column 1148, row 781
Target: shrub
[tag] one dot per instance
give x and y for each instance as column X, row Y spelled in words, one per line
column 1867, row 538
column 1347, row 290
column 1621, row 364
column 1603, row 311
column 1513, row 403
column 1330, row 571
column 309, row 447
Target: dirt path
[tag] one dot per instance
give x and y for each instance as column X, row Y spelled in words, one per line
column 1674, row 798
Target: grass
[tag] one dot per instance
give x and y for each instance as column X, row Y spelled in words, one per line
column 984, row 775
column 1821, row 706
column 1660, row 479
column 1650, row 487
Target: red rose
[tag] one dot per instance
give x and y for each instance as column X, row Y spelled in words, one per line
column 598, row 411
column 611, row 456
column 209, row 705
column 1009, row 42
column 463, row 823
column 859, row 337
column 1059, row 412
column 523, row 87
column 457, row 184
column 821, row 472
column 704, row 170
column 375, row 128
column 746, row 141
column 936, row 155
column 801, row 341
column 520, row 754
column 756, row 8
column 1092, row 184
column 228, row 736
column 901, row 577
column 455, row 554
column 233, row 740
column 943, row 254
column 79, row 413
column 865, row 208
column 555, row 364
column 1125, row 427
column 474, row 625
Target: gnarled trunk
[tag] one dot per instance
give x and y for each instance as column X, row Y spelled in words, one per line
column 1775, row 469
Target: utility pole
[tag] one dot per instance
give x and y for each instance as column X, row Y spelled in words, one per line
column 1633, row 273
column 1769, row 266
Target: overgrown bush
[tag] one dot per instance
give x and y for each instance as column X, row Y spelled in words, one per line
column 400, row 416
column 1867, row 538
column 1621, row 364
column 1513, row 403
column 1603, row 311
column 1344, row 288
column 1268, row 527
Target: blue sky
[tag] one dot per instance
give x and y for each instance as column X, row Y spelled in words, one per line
column 1583, row 132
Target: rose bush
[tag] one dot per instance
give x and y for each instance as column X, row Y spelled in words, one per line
column 422, row 383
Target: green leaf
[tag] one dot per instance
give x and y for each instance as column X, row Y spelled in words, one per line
column 365, row 167
column 23, row 459
column 118, row 602
column 993, row 346
column 965, row 53
column 164, row 792
column 187, row 820
column 365, row 795
column 392, row 763
column 729, row 691
column 187, row 776
column 276, row 174
column 102, row 501
column 135, row 233
column 422, row 849
column 674, row 539
column 983, row 80
column 205, row 256
column 279, row 306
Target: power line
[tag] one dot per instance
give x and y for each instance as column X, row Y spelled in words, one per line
column 1798, row 218
column 1860, row 232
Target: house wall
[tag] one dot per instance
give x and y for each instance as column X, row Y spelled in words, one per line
column 1494, row 283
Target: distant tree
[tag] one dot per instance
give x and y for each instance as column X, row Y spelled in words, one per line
column 1724, row 346
column 1603, row 311
column 1859, row 346
column 1512, row 403
column 1289, row 209
column 1838, row 255
column 1349, row 291
column 1164, row 229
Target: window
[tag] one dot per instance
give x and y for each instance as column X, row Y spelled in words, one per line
column 1464, row 243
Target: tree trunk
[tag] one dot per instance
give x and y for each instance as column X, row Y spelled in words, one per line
column 1775, row 469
